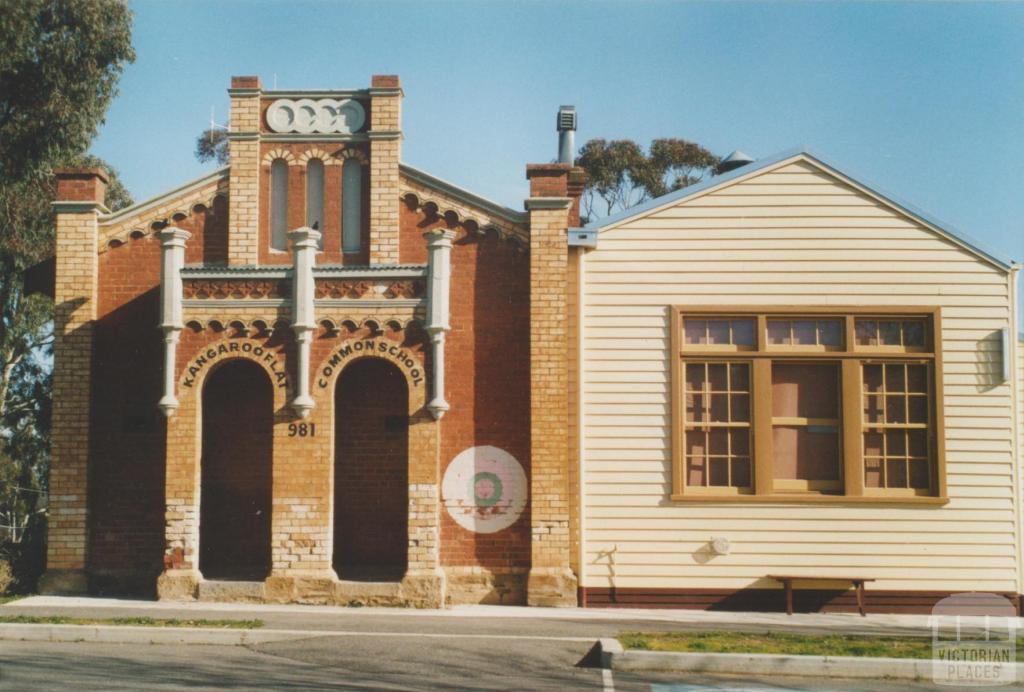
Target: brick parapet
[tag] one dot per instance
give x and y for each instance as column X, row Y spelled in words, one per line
column 385, row 155
column 243, row 144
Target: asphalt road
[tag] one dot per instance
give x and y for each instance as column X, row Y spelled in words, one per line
column 404, row 662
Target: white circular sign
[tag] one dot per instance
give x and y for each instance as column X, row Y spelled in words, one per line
column 485, row 489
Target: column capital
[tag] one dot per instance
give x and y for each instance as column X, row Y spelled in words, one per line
column 439, row 237
column 172, row 236
column 305, row 237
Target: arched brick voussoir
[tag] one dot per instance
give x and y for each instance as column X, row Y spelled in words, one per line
column 410, row 361
column 196, row 366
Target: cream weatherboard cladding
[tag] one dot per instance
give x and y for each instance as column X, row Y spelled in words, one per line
column 791, row 234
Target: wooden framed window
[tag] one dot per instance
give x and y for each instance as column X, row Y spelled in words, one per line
column 717, row 427
column 812, row 404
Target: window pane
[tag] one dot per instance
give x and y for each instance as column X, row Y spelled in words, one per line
column 872, row 377
column 873, row 473
column 895, row 443
column 279, row 204
column 805, row 455
column 867, row 332
column 741, row 472
column 695, row 331
column 739, row 377
column 805, row 390
column 913, row 333
column 695, row 472
column 719, row 408
column 743, row 332
column 918, row 409
column 695, row 377
column 894, row 378
column 805, row 332
column 778, row 331
column 717, row 374
column 889, row 333
column 830, row 332
column 741, row 408
column 873, row 444
column 740, row 441
column 696, row 443
column 315, row 196
column 917, row 378
column 873, row 409
column 694, row 407
column 895, row 474
column 718, row 441
column 351, row 205
column 918, row 442
column 718, row 332
column 895, row 409
column 919, row 476
column 719, row 472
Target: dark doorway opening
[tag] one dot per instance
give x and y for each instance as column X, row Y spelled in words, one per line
column 371, row 472
column 236, row 473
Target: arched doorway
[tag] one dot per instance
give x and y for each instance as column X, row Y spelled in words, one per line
column 236, row 467
column 371, row 472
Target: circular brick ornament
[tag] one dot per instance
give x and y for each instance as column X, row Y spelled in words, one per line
column 485, row 489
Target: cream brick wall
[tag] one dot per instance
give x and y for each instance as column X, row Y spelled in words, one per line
column 74, row 311
column 243, row 213
column 385, row 116
column 550, row 580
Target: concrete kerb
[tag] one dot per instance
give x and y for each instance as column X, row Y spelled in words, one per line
column 130, row 634
column 614, row 657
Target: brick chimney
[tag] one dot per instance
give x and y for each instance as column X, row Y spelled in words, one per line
column 82, row 184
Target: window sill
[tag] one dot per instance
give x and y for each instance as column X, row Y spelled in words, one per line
column 809, row 498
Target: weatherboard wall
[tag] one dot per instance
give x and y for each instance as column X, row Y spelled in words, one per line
column 792, row 234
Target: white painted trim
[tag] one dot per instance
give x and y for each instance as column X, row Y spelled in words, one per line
column 219, row 174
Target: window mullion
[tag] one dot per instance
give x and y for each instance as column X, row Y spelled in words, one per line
column 853, row 428
column 761, row 402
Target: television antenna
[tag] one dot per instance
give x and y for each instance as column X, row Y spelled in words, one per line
column 214, row 125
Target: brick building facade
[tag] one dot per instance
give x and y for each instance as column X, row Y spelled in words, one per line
column 306, row 377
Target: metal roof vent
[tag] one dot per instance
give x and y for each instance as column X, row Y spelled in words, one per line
column 735, row 160
column 566, row 126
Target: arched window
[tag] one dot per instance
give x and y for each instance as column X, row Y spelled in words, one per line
column 351, row 205
column 279, row 204
column 315, row 196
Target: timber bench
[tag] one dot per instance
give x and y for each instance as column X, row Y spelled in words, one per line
column 788, row 579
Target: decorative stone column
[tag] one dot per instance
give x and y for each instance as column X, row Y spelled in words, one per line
column 80, row 194
column 172, row 250
column 305, row 242
column 439, row 246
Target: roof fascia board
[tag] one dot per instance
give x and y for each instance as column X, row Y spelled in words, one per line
column 139, row 207
column 463, row 195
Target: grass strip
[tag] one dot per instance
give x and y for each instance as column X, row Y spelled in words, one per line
column 785, row 643
column 132, row 621
column 9, row 598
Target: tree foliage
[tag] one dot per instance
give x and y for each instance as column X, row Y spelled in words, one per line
column 58, row 73
column 621, row 174
column 59, row 67
column 212, row 145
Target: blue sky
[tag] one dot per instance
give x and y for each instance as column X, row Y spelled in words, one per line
column 924, row 100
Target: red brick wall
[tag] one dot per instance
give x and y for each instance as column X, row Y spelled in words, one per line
column 331, row 229
column 236, row 467
column 126, row 475
column 487, row 373
column 371, row 471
